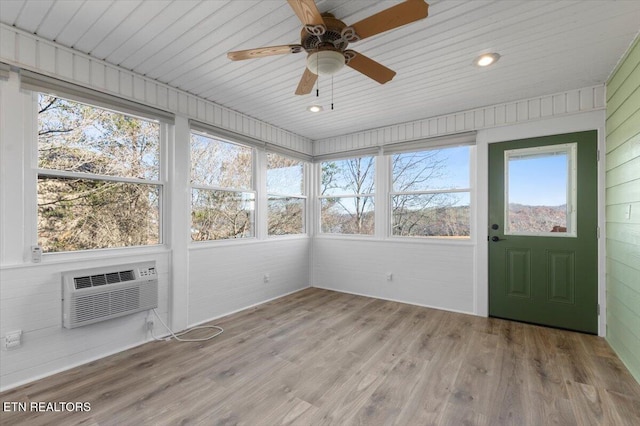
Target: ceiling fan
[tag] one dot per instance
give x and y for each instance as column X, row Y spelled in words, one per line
column 325, row 38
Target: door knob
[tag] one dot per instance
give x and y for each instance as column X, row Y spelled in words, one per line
column 495, row 239
column 494, row 226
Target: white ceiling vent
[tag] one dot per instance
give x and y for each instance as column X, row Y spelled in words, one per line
column 99, row 294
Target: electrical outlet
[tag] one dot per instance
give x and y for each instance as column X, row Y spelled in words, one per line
column 13, row 339
column 150, row 325
column 266, row 278
column 389, row 276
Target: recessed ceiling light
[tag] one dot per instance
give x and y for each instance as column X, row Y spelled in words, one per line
column 314, row 108
column 486, row 59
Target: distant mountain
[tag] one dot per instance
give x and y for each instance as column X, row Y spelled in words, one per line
column 523, row 218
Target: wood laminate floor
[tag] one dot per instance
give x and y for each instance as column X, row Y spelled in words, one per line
column 319, row 357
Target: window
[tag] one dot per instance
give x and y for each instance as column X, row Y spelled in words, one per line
column 285, row 195
column 347, row 196
column 430, row 193
column 540, row 191
column 222, row 196
column 98, row 177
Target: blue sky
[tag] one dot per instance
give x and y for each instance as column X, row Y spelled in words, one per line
column 539, row 181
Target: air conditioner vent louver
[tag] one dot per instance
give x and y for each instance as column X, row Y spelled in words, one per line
column 82, row 282
column 104, row 293
column 102, row 279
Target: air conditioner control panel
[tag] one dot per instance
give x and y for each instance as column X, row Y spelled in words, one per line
column 147, row 272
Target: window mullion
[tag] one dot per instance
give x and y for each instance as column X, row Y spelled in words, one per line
column 432, row 191
column 89, row 176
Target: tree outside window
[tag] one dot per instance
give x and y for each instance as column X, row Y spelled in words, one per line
column 430, row 194
column 286, row 203
column 222, row 196
column 98, row 177
column 347, row 196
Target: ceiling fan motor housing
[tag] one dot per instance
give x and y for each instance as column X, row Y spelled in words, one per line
column 325, row 45
column 331, row 38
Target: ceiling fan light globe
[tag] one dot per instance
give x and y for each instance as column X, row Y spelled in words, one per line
column 325, row 62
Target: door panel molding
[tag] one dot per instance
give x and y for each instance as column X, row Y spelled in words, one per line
column 561, row 280
column 518, row 273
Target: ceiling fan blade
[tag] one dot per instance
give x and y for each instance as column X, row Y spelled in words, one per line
column 307, row 11
column 394, row 17
column 264, row 51
column 370, row 68
column 306, row 82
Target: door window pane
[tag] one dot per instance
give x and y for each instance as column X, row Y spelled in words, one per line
column 540, row 191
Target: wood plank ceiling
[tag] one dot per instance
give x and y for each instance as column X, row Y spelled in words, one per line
column 546, row 47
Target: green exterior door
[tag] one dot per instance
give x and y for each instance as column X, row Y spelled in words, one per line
column 543, row 263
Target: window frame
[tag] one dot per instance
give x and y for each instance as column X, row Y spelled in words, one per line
column 571, row 151
column 253, row 190
column 304, row 196
column 466, row 190
column 36, row 172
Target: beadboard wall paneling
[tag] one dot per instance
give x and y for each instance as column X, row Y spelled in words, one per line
column 437, row 274
column 560, row 104
column 34, row 53
column 623, row 209
column 229, row 276
column 31, row 301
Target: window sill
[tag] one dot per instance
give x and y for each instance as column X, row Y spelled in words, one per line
column 402, row 240
column 203, row 245
column 49, row 259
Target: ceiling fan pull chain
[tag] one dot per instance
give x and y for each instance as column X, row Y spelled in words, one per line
column 332, row 92
column 317, row 82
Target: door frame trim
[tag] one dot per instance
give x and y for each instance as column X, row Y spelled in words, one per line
column 592, row 120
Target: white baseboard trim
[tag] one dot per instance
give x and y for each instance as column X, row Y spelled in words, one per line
column 396, row 300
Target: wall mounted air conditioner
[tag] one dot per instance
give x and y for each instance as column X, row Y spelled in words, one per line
column 99, row 294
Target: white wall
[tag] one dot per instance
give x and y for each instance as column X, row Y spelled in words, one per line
column 230, row 276
column 436, row 274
